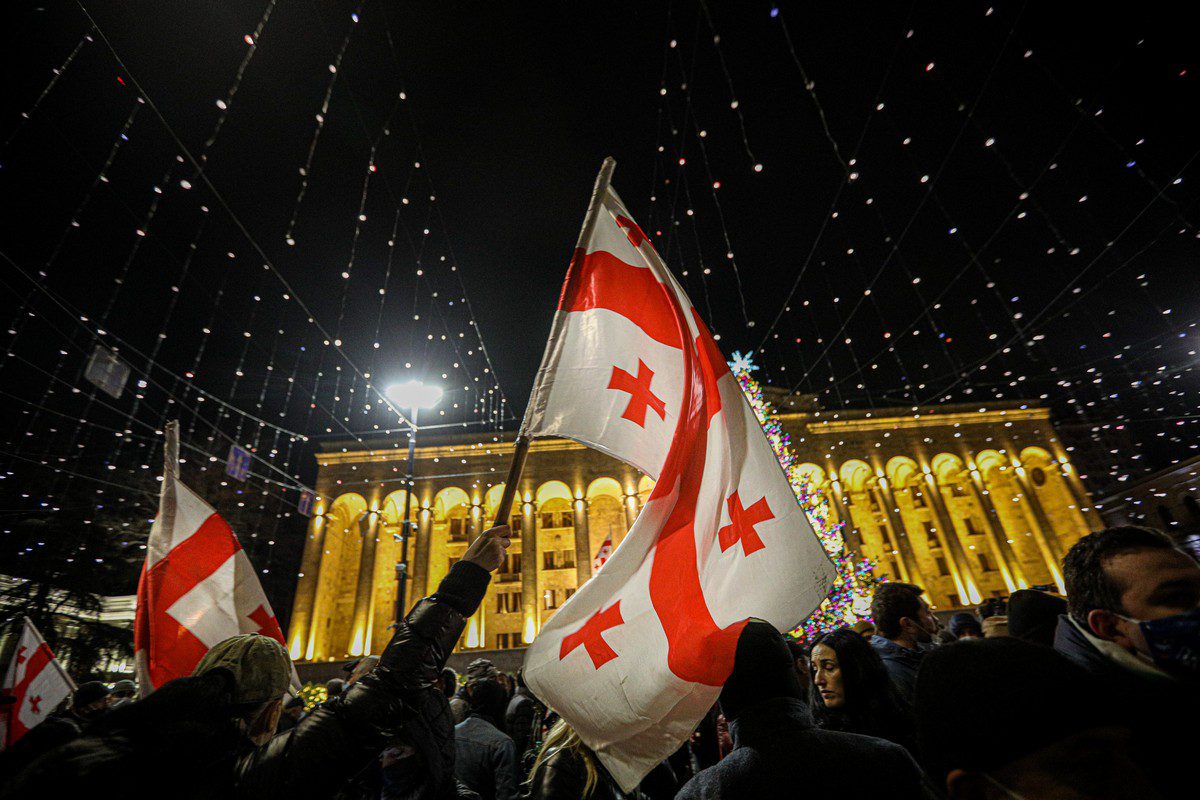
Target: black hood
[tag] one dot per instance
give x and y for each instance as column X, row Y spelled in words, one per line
column 763, row 669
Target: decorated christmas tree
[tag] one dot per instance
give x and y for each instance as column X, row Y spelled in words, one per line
column 850, row 595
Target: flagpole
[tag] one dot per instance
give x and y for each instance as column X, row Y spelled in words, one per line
column 171, row 449
column 521, row 444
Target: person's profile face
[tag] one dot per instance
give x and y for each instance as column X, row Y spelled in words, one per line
column 827, row 676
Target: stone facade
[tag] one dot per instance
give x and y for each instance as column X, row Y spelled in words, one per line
column 969, row 502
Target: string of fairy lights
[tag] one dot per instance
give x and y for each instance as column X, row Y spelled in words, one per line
column 248, row 357
column 275, row 359
column 858, row 244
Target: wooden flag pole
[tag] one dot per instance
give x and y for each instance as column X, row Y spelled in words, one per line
column 521, row 445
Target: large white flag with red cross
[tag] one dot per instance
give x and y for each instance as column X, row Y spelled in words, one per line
column 197, row 586
column 638, row 655
column 35, row 680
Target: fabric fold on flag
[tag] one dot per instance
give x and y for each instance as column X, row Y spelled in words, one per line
column 36, row 681
column 638, row 655
column 197, row 588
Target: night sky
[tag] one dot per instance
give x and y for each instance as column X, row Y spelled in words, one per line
column 1003, row 178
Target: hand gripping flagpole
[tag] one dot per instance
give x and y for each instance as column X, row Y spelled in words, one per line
column 521, row 444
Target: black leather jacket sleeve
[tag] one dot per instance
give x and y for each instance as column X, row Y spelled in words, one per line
column 340, row 739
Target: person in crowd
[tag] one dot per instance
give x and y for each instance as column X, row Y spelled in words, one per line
column 293, row 712
column 485, row 757
column 799, row 658
column 519, row 716
column 449, row 682
column 1007, row 719
column 904, row 630
column 123, row 691
column 87, row 704
column 479, row 669
column 1133, row 602
column 567, row 769
column 965, row 625
column 1033, row 615
column 211, row 734
column 506, row 681
column 334, row 688
column 1133, row 621
column 776, row 744
column 854, row 692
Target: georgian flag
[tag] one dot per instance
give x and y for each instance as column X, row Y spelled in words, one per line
column 37, row 682
column 197, row 586
column 606, row 548
column 638, row 655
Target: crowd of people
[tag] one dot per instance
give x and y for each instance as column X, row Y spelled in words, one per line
column 1094, row 695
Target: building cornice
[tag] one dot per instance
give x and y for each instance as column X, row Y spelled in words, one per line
column 491, row 449
column 916, row 420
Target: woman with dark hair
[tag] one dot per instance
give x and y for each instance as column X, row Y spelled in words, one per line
column 853, row 692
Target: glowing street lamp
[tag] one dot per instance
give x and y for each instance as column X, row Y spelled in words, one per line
column 413, row 395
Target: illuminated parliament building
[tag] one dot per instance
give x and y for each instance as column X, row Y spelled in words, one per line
column 969, row 502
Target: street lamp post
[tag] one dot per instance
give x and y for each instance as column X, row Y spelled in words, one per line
column 413, row 395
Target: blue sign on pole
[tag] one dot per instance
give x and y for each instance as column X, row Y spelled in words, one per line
column 305, row 504
column 237, row 466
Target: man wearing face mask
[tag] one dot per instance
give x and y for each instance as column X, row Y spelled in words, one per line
column 904, row 631
column 1133, row 621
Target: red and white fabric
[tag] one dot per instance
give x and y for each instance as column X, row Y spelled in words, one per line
column 197, row 588
column 638, row 655
column 606, row 548
column 37, row 682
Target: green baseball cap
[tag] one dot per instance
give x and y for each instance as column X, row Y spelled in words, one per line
column 259, row 665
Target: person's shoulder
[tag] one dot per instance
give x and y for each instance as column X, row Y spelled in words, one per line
column 878, row 748
column 728, row 778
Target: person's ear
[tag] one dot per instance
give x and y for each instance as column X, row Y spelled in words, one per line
column 1108, row 626
column 964, row 785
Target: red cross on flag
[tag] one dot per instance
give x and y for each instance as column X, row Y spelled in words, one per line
column 197, row 586
column 36, row 680
column 639, row 653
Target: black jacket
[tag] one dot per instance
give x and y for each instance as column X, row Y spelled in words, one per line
column 563, row 776
column 518, row 719
column 777, row 745
column 1155, row 709
column 181, row 741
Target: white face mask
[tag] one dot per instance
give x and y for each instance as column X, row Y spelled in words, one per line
column 1003, row 788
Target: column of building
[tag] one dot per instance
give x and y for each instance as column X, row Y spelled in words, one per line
column 300, row 628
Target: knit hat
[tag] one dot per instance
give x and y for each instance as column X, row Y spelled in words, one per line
column 88, row 693
column 763, row 669
column 1033, row 615
column 982, row 704
column 124, row 686
column 259, row 665
column 963, row 620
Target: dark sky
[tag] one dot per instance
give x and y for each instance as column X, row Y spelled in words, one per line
column 509, row 109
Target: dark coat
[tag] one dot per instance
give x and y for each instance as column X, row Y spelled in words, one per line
column 486, row 760
column 777, row 745
column 901, row 664
column 182, row 741
column 518, row 719
column 1155, row 709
